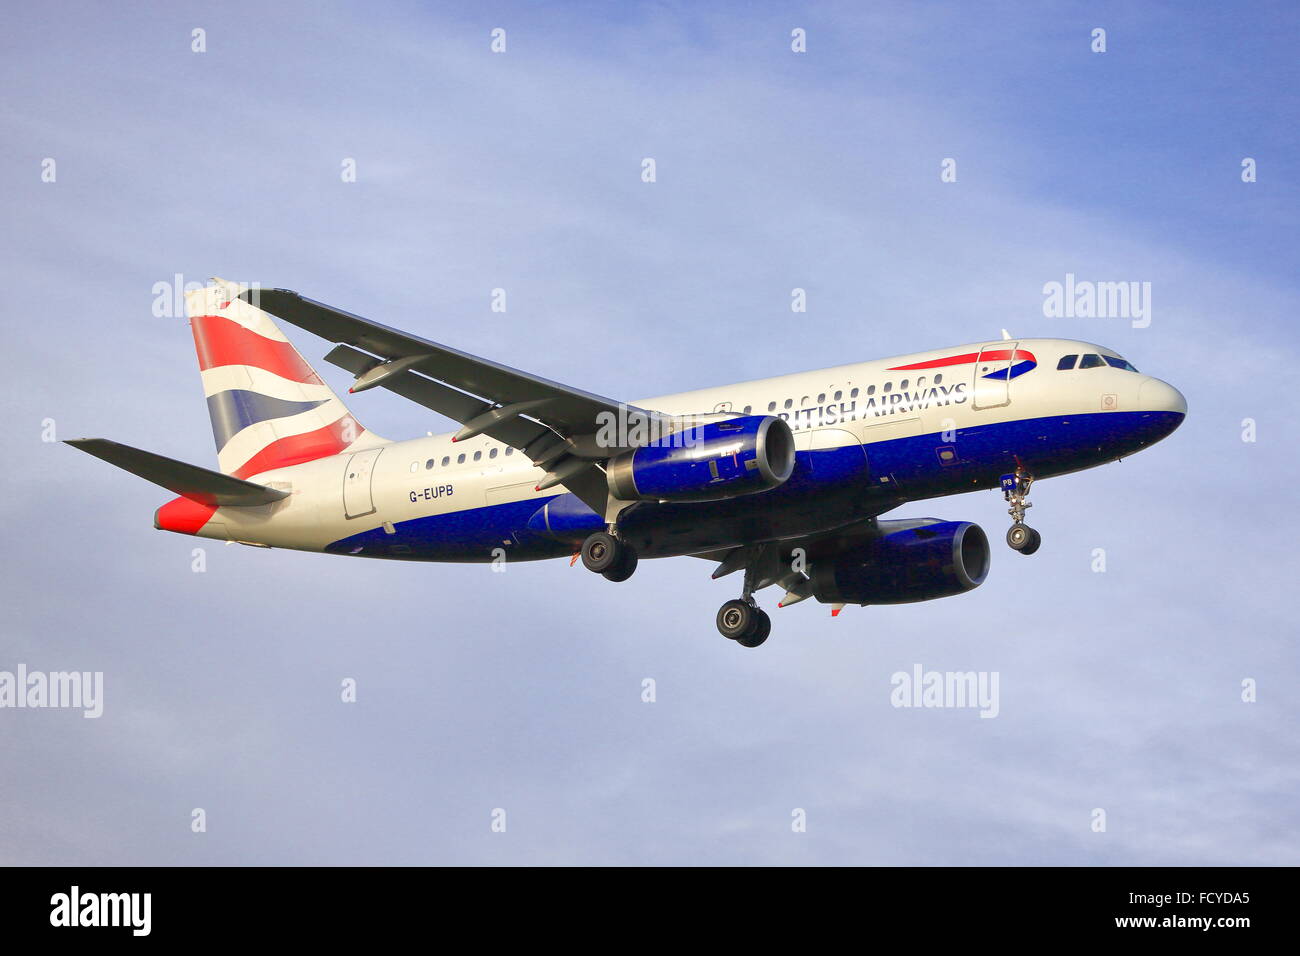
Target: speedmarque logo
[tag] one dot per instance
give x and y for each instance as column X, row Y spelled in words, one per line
column 102, row 909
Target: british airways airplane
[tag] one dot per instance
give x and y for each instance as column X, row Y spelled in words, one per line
column 782, row 478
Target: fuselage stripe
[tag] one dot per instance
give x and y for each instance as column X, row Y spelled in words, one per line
column 1027, row 363
column 988, row 355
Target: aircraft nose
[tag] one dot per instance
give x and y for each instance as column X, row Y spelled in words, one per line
column 1158, row 396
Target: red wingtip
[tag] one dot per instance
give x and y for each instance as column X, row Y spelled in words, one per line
column 454, row 438
column 836, row 612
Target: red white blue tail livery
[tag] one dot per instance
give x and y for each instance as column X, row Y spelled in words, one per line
column 269, row 409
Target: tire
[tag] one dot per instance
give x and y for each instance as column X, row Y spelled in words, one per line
column 626, row 565
column 1035, row 539
column 762, row 628
column 1019, row 536
column 601, row 552
column 737, row 619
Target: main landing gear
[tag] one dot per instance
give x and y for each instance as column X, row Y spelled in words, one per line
column 743, row 621
column 608, row 556
column 1015, row 488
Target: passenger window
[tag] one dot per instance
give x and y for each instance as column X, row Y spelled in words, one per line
column 853, row 394
column 478, row 455
column 871, row 390
column 889, row 386
column 1067, row 362
column 460, row 459
column 771, row 406
column 748, row 409
column 838, row 396
column 428, row 464
column 492, row 453
column 1091, row 360
column 938, row 379
column 415, row 466
column 446, row 460
column 903, row 384
column 510, row 451
column 920, row 382
column 821, row 399
column 789, row 402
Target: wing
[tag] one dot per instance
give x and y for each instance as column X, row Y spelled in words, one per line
column 553, row 424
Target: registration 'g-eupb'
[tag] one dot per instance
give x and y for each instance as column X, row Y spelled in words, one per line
column 783, row 479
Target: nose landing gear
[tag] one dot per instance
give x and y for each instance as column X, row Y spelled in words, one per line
column 1015, row 488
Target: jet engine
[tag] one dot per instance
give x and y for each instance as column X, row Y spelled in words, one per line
column 738, row 456
column 915, row 563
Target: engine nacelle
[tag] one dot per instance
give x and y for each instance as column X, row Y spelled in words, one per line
column 707, row 462
column 916, row 563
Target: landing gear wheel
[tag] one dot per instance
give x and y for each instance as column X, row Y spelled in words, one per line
column 762, row 628
column 625, row 566
column 1022, row 538
column 1015, row 488
column 601, row 552
column 737, row 619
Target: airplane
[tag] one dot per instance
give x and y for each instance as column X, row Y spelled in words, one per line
column 783, row 479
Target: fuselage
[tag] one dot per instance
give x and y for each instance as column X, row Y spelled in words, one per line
column 869, row 437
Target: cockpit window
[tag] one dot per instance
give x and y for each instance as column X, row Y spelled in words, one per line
column 1067, row 362
column 1091, row 360
column 1119, row 363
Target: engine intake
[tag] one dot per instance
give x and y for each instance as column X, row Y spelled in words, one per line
column 916, row 563
column 707, row 462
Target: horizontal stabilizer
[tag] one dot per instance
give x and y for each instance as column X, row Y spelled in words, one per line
column 190, row 481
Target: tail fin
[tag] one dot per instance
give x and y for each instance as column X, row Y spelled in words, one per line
column 269, row 409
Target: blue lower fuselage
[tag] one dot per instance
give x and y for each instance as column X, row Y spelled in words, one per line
column 829, row 488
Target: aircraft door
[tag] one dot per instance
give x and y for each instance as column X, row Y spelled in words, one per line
column 992, row 385
column 357, row 475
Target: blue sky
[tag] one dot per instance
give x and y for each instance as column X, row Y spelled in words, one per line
column 521, row 171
